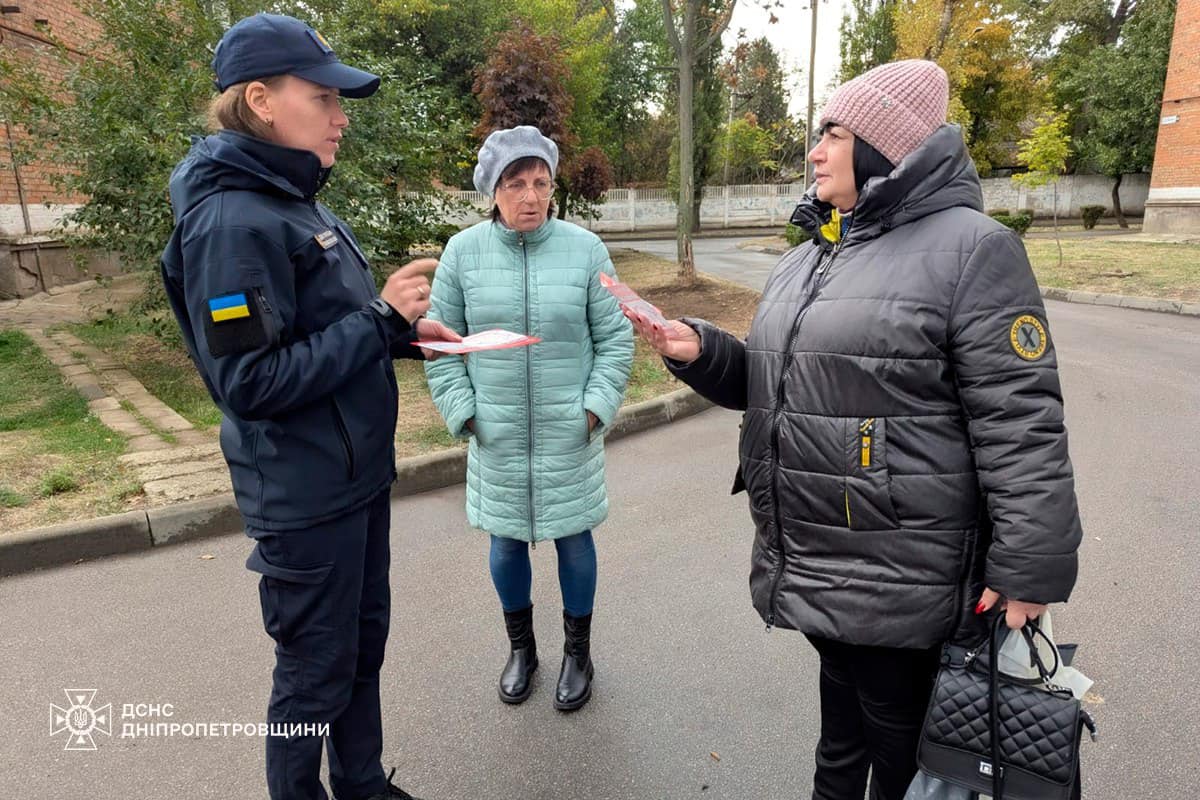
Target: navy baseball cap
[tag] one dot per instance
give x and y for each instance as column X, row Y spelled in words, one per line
column 270, row 44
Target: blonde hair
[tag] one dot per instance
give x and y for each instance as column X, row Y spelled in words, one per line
column 230, row 111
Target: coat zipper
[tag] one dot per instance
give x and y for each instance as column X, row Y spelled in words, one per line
column 344, row 433
column 866, row 433
column 529, row 395
column 822, row 272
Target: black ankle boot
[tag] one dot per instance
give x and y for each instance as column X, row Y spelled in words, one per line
column 575, row 677
column 516, row 681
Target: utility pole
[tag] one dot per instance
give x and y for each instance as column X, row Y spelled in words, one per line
column 728, row 125
column 812, row 65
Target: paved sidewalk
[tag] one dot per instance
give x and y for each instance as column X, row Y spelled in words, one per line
column 171, row 458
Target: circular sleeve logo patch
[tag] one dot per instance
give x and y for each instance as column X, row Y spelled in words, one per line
column 1028, row 337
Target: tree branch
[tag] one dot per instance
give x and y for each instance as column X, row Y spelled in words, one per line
column 722, row 24
column 672, row 32
column 610, row 8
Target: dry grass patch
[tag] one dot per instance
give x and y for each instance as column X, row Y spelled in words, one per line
column 1119, row 266
column 57, row 461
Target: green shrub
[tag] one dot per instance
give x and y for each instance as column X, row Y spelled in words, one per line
column 443, row 232
column 995, row 211
column 1091, row 215
column 1018, row 222
column 57, row 482
column 795, row 235
column 11, row 499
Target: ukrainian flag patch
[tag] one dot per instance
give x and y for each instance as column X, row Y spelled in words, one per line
column 227, row 307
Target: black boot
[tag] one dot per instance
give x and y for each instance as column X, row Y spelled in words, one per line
column 575, row 677
column 392, row 792
column 516, row 681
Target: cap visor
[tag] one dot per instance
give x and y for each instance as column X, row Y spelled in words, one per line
column 349, row 81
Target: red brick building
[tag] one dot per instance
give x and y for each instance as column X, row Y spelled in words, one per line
column 33, row 31
column 1174, row 202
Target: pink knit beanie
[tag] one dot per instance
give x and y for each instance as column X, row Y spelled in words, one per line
column 893, row 107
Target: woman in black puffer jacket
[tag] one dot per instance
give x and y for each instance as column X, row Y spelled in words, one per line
column 903, row 444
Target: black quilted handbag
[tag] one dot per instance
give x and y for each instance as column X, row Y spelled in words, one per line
column 999, row 735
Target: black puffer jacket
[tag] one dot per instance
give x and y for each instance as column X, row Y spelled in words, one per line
column 903, row 441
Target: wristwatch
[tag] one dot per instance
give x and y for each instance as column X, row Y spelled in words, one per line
column 398, row 323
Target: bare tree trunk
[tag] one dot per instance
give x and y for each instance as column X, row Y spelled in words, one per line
column 935, row 49
column 684, row 43
column 685, row 221
column 1117, row 22
column 1116, row 198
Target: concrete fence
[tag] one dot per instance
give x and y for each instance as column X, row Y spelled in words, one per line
column 1074, row 191
column 769, row 206
column 29, row 264
column 654, row 209
column 764, row 206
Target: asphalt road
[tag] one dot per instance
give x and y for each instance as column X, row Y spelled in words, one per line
column 721, row 257
column 693, row 699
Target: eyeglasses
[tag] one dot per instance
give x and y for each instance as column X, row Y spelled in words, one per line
column 519, row 190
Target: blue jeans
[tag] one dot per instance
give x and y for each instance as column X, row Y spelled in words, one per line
column 512, row 573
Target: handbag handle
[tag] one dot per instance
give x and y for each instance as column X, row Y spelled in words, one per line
column 1030, row 630
column 994, row 708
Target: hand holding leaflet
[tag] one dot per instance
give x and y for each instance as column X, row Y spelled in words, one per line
column 631, row 302
column 495, row 339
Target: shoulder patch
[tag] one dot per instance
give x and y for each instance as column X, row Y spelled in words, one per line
column 228, row 307
column 237, row 322
column 326, row 239
column 1028, row 337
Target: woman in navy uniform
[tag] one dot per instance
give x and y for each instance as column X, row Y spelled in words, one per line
column 280, row 314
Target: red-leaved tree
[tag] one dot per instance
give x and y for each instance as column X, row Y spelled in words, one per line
column 523, row 82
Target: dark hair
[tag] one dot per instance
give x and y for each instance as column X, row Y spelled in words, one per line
column 516, row 168
column 868, row 163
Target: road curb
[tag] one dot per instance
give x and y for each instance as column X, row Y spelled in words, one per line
column 73, row 542
column 1122, row 301
column 1073, row 295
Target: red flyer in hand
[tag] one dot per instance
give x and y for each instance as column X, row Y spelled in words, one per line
column 630, row 301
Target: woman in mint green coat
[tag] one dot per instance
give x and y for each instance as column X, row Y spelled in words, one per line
column 535, row 415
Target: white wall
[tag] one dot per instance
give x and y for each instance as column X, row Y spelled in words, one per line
column 735, row 206
column 1074, row 191
column 771, row 205
column 42, row 218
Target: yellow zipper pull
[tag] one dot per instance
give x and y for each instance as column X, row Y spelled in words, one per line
column 866, row 432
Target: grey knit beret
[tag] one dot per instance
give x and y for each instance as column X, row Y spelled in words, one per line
column 504, row 147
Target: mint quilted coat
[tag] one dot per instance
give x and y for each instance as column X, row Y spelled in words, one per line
column 533, row 470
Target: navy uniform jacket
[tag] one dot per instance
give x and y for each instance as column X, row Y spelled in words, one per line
column 271, row 292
